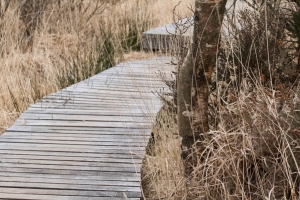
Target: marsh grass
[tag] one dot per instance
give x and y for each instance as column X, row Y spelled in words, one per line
column 48, row 45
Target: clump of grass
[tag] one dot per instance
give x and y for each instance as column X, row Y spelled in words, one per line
column 48, row 45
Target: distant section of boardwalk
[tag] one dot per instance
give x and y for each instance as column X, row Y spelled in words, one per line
column 86, row 141
column 167, row 37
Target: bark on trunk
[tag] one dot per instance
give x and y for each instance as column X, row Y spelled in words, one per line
column 208, row 22
column 195, row 75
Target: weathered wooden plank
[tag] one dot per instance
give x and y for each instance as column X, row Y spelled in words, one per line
column 106, row 105
column 128, row 143
column 63, row 147
column 71, row 167
column 72, row 93
column 109, row 75
column 84, row 173
column 100, row 101
column 119, row 111
column 115, row 79
column 24, row 182
column 124, row 73
column 90, row 112
column 105, row 154
column 50, row 194
column 106, row 98
column 125, row 81
column 108, row 113
column 106, row 159
column 110, row 110
column 87, row 141
column 50, row 164
column 103, row 102
column 64, row 161
column 89, row 109
column 97, row 117
column 132, row 82
column 146, row 90
column 78, row 134
column 102, row 97
column 121, row 71
column 81, row 136
column 93, row 105
column 12, row 136
column 33, row 179
column 81, row 130
column 54, row 122
column 128, row 186
column 118, row 78
column 68, row 148
column 115, row 92
column 130, row 85
column 121, row 108
column 121, row 179
column 132, row 143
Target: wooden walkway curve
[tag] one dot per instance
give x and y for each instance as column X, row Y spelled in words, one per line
column 86, row 141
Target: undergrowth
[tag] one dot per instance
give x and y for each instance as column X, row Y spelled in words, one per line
column 252, row 150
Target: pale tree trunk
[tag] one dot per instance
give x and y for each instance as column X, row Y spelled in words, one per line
column 195, row 74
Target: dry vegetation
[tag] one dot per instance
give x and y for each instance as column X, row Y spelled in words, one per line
column 253, row 148
column 162, row 172
column 47, row 45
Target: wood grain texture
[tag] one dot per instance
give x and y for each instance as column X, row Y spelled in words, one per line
column 86, row 141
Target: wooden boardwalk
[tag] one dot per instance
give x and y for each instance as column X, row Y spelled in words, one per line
column 166, row 37
column 86, row 141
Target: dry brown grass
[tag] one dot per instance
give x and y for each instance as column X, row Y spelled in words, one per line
column 254, row 153
column 162, row 171
column 68, row 42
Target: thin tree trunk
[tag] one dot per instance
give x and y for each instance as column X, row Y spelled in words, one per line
column 208, row 22
column 195, row 75
column 184, row 102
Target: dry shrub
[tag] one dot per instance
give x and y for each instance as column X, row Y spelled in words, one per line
column 253, row 150
column 46, row 45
